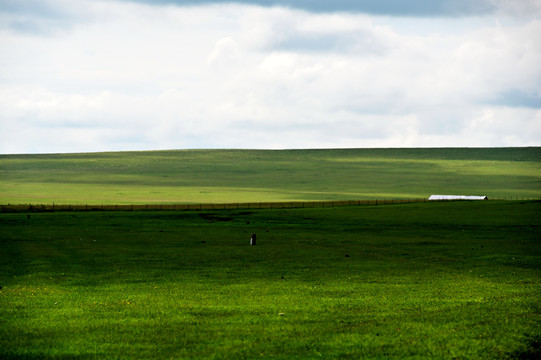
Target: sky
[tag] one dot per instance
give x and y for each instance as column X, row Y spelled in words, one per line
column 90, row 75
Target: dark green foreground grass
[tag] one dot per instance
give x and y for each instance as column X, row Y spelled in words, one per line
column 431, row 280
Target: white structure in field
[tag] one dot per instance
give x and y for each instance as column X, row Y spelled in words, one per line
column 456, row 197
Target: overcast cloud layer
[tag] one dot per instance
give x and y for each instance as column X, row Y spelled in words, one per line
column 85, row 75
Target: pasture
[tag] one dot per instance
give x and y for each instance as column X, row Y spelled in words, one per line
column 406, row 280
column 428, row 280
column 233, row 176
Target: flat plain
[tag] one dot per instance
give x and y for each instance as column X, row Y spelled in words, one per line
column 232, row 176
column 414, row 280
column 428, row 280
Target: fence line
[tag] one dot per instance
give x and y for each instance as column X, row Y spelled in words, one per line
column 201, row 206
column 215, row 206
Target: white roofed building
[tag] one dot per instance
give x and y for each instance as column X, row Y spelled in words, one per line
column 456, row 197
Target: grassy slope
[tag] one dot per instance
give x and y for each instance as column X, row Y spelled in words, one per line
column 431, row 280
column 199, row 176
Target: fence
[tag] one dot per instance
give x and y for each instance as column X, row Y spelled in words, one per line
column 207, row 206
column 212, row 206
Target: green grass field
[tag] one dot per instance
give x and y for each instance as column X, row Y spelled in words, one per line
column 418, row 280
column 232, row 176
column 430, row 280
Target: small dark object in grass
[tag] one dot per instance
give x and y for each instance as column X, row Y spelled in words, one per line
column 0, row 288
column 347, row 255
column 203, row 242
column 252, row 239
column 28, row 216
column 282, row 277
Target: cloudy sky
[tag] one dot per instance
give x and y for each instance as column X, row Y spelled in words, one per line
column 90, row 75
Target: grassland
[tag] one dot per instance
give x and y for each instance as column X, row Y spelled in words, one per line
column 429, row 280
column 418, row 280
column 231, row 176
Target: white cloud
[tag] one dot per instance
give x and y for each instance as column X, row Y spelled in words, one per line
column 132, row 76
column 226, row 51
column 517, row 8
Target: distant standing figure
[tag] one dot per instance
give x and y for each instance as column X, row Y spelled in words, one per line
column 252, row 239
